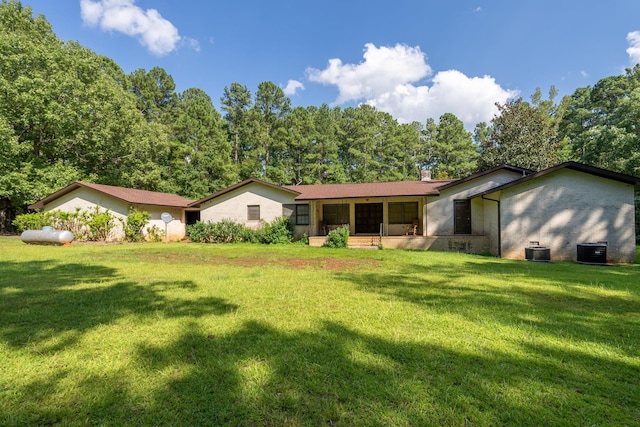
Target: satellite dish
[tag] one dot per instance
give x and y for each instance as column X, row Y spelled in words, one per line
column 166, row 218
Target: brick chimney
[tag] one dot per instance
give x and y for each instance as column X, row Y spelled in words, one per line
column 425, row 175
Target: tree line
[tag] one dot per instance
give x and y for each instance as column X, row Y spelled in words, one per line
column 68, row 114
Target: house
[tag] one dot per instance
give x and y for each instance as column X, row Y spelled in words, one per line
column 500, row 211
column 119, row 201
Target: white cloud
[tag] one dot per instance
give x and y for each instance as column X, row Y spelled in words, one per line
column 153, row 31
column 634, row 47
column 292, row 87
column 389, row 79
column 381, row 71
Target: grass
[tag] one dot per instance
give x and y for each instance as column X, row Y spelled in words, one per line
column 190, row 334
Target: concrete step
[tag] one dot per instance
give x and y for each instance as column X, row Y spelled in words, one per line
column 363, row 247
column 363, row 242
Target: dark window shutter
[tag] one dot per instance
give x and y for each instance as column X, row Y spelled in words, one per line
column 253, row 212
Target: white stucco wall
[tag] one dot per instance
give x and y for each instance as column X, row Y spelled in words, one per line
column 176, row 229
column 490, row 224
column 234, row 204
column 87, row 199
column 440, row 219
column 564, row 209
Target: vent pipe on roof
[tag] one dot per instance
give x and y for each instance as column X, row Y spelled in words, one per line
column 425, row 175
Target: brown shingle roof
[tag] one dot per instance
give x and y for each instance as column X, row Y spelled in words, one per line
column 129, row 195
column 376, row 189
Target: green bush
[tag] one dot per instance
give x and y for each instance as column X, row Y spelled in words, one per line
column 276, row 232
column 72, row 221
column 134, row 225
column 198, row 232
column 229, row 231
column 249, row 235
column 99, row 224
column 338, row 238
column 155, row 233
column 33, row 221
column 225, row 231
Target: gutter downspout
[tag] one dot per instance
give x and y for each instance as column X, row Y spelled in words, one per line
column 499, row 225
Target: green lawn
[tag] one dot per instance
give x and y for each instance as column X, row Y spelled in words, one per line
column 190, row 334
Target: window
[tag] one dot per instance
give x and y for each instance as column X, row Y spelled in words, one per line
column 302, row 214
column 297, row 214
column 462, row 216
column 403, row 213
column 335, row 214
column 253, row 212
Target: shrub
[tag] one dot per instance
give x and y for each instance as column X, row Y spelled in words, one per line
column 98, row 223
column 304, row 240
column 134, row 225
column 229, row 231
column 225, row 231
column 32, row 221
column 338, row 238
column 198, row 232
column 249, row 235
column 72, row 221
column 276, row 232
column 155, row 234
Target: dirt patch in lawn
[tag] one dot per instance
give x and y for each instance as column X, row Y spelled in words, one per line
column 334, row 264
column 325, row 263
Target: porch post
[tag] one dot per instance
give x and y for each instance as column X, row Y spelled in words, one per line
column 424, row 217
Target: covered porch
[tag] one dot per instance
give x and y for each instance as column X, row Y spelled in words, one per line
column 369, row 217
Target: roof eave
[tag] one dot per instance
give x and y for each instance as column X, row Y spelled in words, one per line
column 430, row 193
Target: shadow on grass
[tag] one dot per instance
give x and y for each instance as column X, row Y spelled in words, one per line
column 44, row 300
column 590, row 303
column 335, row 375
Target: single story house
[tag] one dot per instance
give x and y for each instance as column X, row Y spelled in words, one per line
column 119, row 201
column 500, row 211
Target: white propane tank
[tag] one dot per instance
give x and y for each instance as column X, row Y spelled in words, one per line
column 47, row 237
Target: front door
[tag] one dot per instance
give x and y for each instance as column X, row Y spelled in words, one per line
column 368, row 218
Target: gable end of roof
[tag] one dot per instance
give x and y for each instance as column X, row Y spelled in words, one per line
column 580, row 167
column 197, row 203
column 510, row 168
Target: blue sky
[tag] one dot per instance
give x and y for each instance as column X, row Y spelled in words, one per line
column 413, row 59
